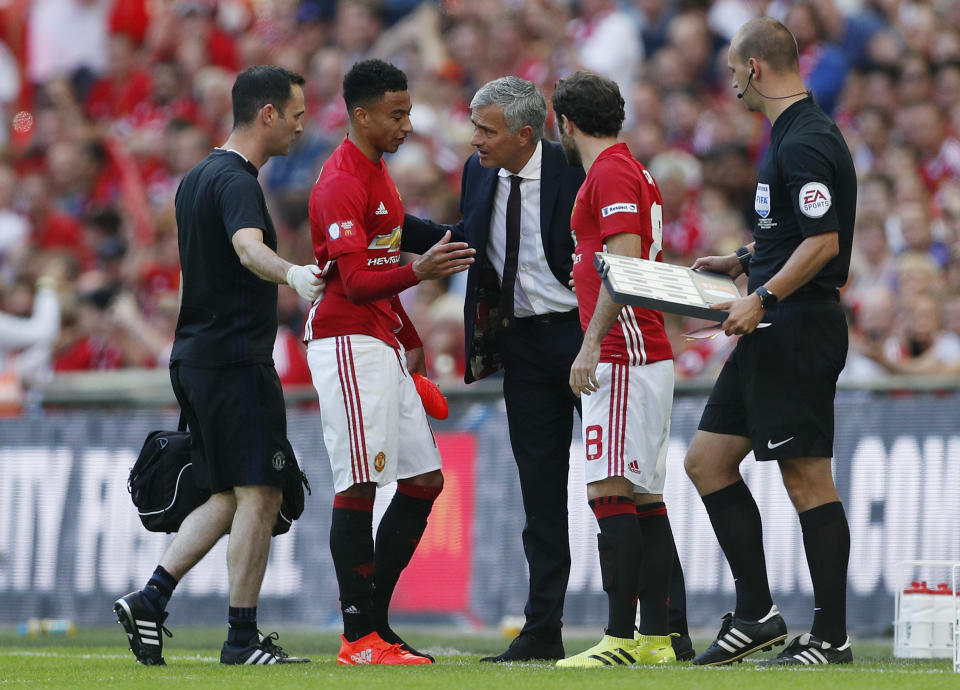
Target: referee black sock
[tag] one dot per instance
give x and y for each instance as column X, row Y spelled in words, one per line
column 351, row 545
column 243, row 626
column 159, row 588
column 736, row 522
column 658, row 556
column 620, row 547
column 399, row 534
column 826, row 540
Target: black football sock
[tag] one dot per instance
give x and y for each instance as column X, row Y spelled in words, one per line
column 619, row 544
column 351, row 545
column 399, row 534
column 826, row 540
column 160, row 588
column 677, row 602
column 658, row 555
column 736, row 522
column 243, row 626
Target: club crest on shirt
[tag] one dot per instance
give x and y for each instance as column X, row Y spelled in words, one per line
column 761, row 202
column 622, row 207
column 814, row 199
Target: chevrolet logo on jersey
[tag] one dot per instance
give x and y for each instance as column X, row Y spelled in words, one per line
column 389, row 242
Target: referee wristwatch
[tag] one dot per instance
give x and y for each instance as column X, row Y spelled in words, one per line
column 768, row 300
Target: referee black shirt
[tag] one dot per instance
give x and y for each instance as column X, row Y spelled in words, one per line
column 228, row 316
column 807, row 186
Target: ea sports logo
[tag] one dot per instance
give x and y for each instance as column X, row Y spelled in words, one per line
column 379, row 461
column 814, row 199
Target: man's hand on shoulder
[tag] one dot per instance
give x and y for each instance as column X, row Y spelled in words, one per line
column 306, row 281
column 443, row 259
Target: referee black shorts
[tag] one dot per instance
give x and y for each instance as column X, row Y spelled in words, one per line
column 238, row 421
column 777, row 387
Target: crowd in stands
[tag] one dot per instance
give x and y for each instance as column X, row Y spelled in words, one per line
column 107, row 103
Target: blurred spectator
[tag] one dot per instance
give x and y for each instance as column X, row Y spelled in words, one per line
column 112, row 101
column 29, row 325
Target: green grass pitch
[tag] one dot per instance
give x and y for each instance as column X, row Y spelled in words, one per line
column 99, row 658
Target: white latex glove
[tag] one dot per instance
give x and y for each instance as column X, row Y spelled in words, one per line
column 306, row 281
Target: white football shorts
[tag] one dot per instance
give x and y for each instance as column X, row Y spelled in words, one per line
column 626, row 424
column 374, row 426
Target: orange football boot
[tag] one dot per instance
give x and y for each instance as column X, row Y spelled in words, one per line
column 372, row 649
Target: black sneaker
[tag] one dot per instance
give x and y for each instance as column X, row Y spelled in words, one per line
column 738, row 638
column 527, row 647
column 808, row 650
column 264, row 651
column 387, row 634
column 682, row 647
column 144, row 626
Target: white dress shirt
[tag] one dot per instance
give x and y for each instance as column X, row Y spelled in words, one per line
column 537, row 290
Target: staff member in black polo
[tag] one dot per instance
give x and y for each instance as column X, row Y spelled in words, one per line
column 520, row 315
column 775, row 393
column 222, row 368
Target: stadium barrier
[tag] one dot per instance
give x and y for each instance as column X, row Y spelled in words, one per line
column 70, row 540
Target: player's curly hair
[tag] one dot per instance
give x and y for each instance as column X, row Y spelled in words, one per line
column 369, row 80
column 592, row 102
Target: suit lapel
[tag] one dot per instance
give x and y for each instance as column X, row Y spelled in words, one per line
column 484, row 199
column 549, row 188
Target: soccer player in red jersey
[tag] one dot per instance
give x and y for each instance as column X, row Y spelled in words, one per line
column 625, row 370
column 362, row 349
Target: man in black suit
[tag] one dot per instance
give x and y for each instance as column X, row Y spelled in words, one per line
column 516, row 197
column 520, row 315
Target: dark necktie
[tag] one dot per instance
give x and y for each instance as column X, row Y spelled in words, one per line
column 512, row 253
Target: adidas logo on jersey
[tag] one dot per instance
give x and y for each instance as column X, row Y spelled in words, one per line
column 634, row 467
column 381, row 210
column 362, row 657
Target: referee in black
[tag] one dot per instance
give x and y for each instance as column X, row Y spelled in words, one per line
column 222, row 368
column 775, row 393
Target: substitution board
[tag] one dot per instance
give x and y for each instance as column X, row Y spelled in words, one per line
column 665, row 287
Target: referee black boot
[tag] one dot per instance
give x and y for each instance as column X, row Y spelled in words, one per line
column 807, row 650
column 528, row 647
column 739, row 638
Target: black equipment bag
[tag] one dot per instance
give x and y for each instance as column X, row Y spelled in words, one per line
column 164, row 488
column 161, row 483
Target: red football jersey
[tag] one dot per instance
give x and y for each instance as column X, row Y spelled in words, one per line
column 618, row 196
column 354, row 207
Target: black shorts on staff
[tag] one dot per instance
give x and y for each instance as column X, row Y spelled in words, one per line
column 777, row 387
column 238, row 422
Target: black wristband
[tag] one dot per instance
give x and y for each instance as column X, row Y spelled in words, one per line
column 744, row 256
column 768, row 300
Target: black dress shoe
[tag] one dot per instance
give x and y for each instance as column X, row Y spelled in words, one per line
column 526, row 647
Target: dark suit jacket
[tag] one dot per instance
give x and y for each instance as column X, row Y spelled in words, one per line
column 559, row 183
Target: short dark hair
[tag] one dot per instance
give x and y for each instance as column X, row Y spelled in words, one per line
column 769, row 40
column 592, row 102
column 257, row 86
column 369, row 80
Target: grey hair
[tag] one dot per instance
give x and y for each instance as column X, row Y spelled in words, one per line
column 522, row 103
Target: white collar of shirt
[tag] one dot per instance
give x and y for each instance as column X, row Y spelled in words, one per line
column 531, row 171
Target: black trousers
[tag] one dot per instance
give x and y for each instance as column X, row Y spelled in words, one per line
column 537, row 355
